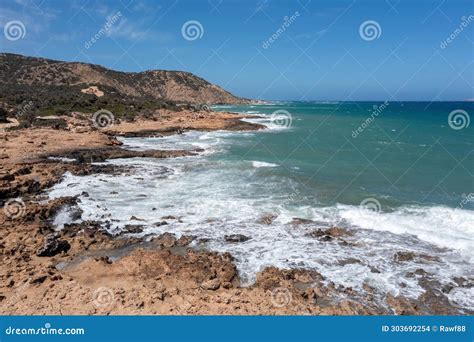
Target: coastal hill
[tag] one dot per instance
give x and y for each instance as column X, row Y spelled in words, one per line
column 56, row 87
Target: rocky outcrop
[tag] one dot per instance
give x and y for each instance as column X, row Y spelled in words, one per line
column 52, row 246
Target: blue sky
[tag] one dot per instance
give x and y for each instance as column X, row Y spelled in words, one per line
column 321, row 53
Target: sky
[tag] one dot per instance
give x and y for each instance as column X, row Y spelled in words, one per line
column 275, row 50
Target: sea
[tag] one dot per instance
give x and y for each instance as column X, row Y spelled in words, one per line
column 397, row 175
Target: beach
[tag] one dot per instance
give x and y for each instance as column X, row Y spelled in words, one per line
column 145, row 217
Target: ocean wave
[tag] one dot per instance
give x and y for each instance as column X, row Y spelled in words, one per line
column 216, row 197
column 270, row 123
column 211, row 201
column 258, row 164
column 442, row 226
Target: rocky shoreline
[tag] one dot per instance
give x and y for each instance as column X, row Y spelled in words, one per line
column 82, row 269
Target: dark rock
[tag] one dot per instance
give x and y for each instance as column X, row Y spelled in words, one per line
column 52, row 246
column 76, row 213
column 267, row 219
column 297, row 221
column 234, row 238
column 212, row 284
column 184, row 240
column 133, row 228
column 404, row 256
column 169, row 217
column 349, row 261
column 3, row 115
column 166, row 240
column 39, row 280
column 104, row 259
column 162, row 223
column 330, row 234
column 374, row 269
column 411, row 256
column 7, row 177
column 134, row 218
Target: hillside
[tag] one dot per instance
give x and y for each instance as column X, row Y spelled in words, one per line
column 55, row 87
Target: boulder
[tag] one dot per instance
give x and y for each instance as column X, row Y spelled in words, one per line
column 53, row 246
column 212, row 284
column 235, row 238
column 3, row 115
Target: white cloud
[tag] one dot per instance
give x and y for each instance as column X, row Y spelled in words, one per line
column 131, row 31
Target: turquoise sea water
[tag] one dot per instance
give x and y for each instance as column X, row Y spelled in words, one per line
column 398, row 176
column 408, row 154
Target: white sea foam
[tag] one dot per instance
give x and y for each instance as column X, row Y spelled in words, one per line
column 63, row 159
column 215, row 198
column 270, row 123
column 462, row 297
column 258, row 164
column 445, row 227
